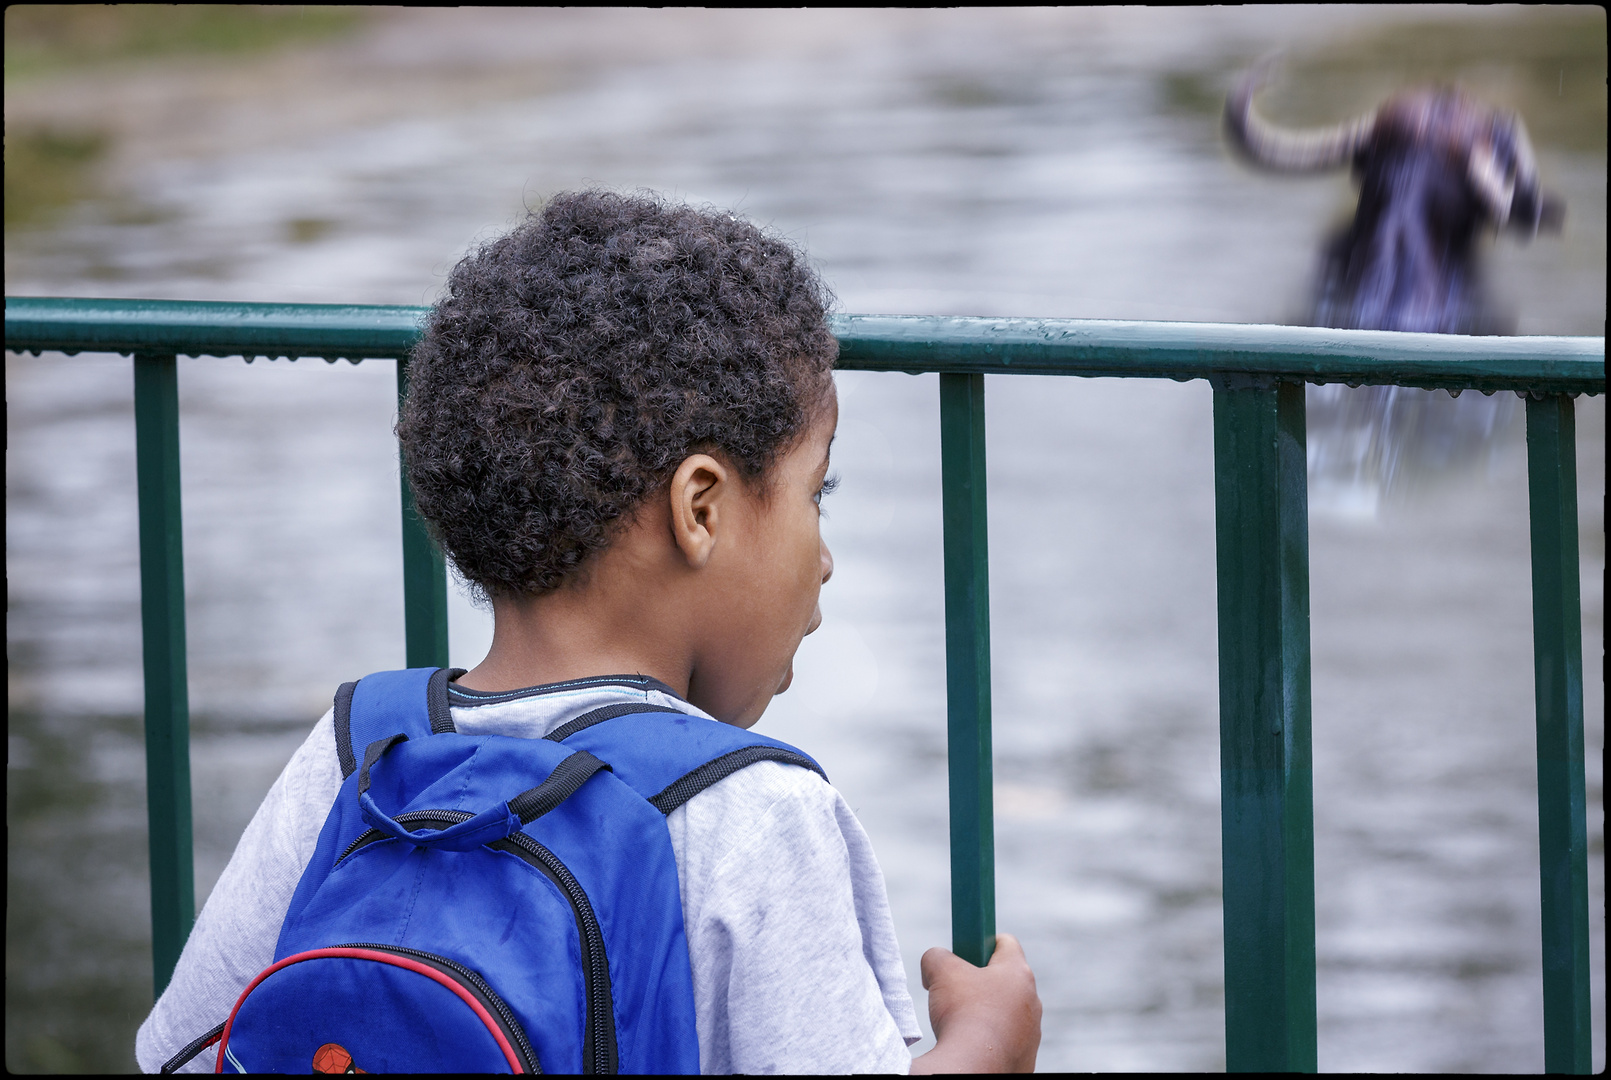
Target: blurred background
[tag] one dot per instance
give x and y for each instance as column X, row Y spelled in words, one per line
column 987, row 162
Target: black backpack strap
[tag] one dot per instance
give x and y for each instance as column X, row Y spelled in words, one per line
column 690, row 784
column 436, row 707
column 668, row 759
column 561, row 784
column 436, row 699
column 598, row 716
column 201, row 1042
column 344, row 754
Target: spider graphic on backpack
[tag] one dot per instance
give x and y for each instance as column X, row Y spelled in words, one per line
column 333, row 1058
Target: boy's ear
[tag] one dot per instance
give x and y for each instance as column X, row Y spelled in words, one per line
column 698, row 489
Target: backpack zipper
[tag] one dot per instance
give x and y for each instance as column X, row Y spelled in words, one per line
column 369, row 836
column 490, row 998
column 600, row 1011
column 601, row 1053
column 193, row 1048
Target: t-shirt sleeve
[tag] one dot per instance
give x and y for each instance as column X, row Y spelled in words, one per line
column 795, row 964
column 235, row 934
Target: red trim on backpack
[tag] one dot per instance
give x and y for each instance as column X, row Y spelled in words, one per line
column 385, row 958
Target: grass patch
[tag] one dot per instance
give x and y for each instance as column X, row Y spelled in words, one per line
column 48, row 166
column 47, row 38
column 48, row 169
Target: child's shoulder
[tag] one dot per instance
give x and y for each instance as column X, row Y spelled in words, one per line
column 769, row 812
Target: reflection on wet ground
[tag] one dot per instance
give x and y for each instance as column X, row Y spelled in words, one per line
column 1371, row 444
column 1039, row 163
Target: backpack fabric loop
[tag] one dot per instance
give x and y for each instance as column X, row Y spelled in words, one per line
column 495, row 823
column 492, row 824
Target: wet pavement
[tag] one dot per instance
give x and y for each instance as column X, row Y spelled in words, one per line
column 1029, row 163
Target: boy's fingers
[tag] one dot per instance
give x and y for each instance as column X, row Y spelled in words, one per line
column 1008, row 951
column 934, row 962
column 937, row 961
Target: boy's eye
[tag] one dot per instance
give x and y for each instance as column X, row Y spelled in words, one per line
column 827, row 488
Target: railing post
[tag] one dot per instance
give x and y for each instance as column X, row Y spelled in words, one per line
column 1266, row 789
column 425, row 626
column 967, row 667
column 1558, row 690
column 162, row 627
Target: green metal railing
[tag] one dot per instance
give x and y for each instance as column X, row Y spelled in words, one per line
column 1257, row 373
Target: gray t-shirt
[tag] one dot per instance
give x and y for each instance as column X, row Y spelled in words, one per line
column 796, row 968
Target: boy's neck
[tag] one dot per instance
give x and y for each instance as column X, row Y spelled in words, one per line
column 620, row 615
column 536, row 644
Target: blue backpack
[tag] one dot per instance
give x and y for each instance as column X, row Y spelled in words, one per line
column 486, row 903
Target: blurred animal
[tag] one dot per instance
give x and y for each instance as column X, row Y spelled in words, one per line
column 1437, row 170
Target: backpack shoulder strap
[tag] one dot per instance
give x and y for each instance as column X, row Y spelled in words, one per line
column 411, row 702
column 668, row 756
column 698, row 779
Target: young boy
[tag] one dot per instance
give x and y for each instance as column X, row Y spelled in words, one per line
column 618, row 427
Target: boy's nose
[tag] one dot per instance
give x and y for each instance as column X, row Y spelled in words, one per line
column 827, row 564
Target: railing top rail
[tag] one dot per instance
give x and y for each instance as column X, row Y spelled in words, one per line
column 914, row 343
column 212, row 328
column 1180, row 350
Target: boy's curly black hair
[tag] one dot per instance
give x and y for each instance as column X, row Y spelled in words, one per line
column 575, row 362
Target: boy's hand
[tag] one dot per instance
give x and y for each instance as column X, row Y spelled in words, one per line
column 985, row 1019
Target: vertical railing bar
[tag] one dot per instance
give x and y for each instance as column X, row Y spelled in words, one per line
column 162, row 627
column 1558, row 691
column 1266, row 786
column 425, row 622
column 967, row 666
